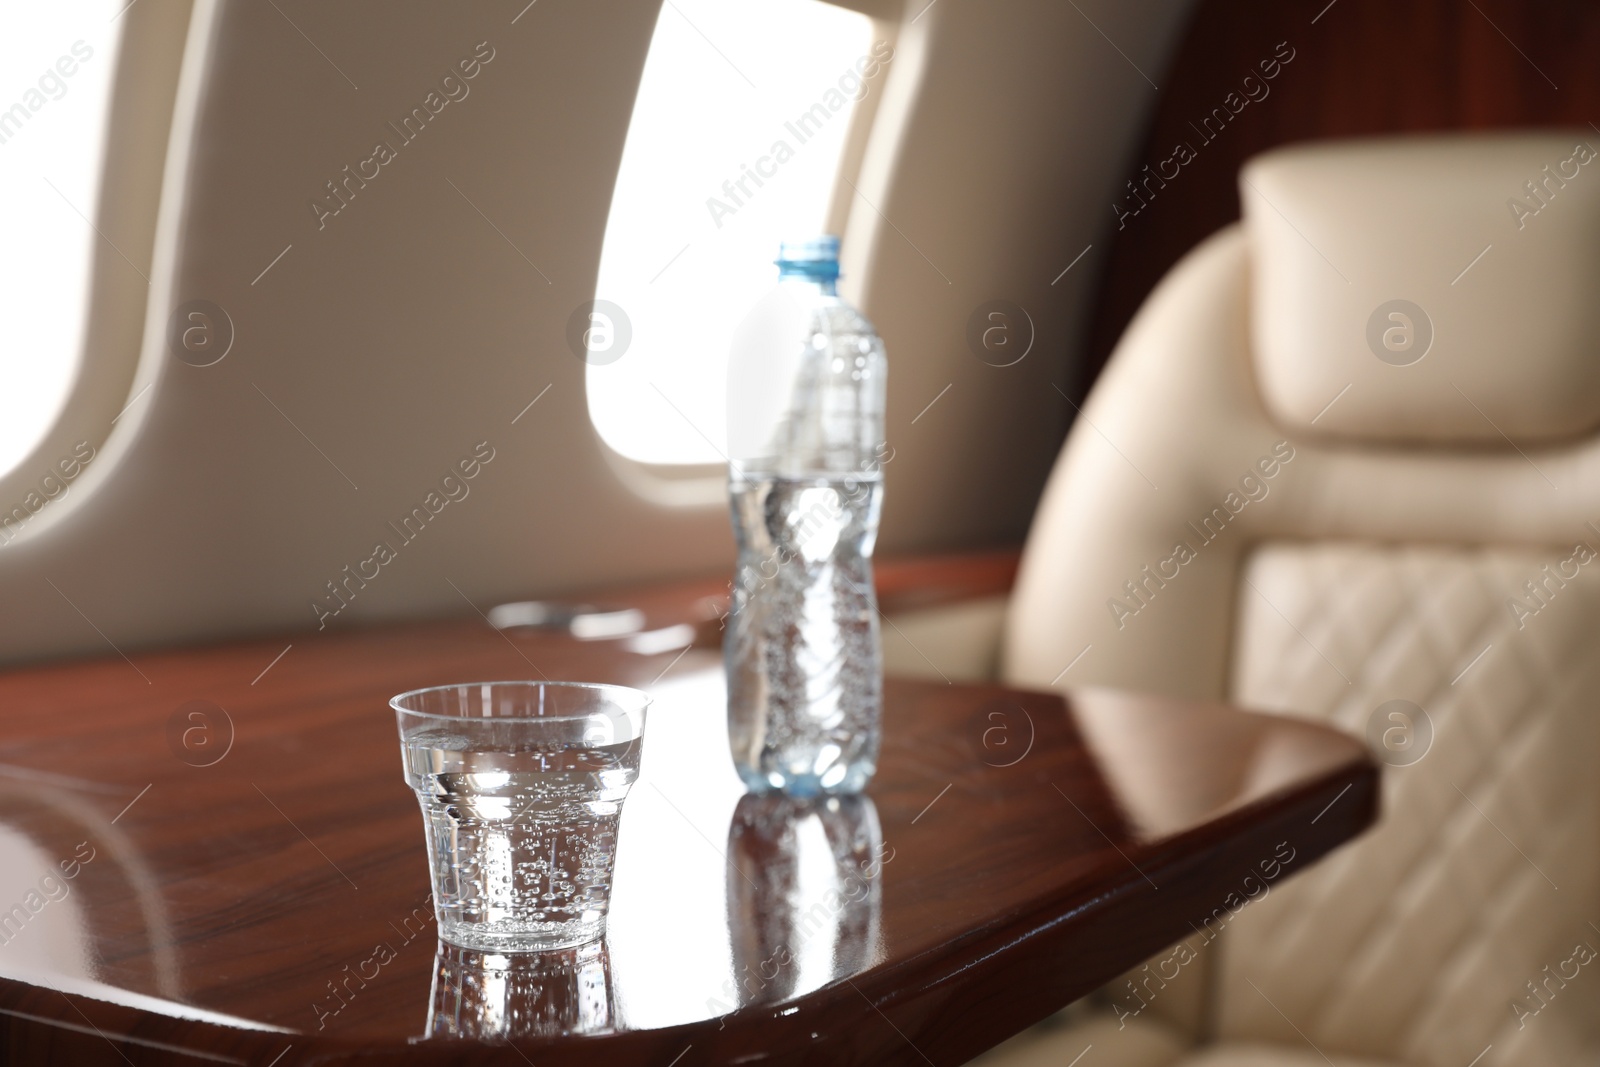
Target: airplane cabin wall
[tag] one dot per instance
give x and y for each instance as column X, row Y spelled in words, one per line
column 390, row 343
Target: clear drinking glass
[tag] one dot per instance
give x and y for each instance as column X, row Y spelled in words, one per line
column 521, row 786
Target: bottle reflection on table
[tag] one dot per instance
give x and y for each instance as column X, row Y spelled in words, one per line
column 805, row 893
column 490, row 996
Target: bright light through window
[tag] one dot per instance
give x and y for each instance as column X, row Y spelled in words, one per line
column 56, row 63
column 735, row 143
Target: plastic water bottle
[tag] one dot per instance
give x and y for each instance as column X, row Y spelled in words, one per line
column 805, row 484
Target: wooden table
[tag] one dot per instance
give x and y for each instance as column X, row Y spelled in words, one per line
column 249, row 883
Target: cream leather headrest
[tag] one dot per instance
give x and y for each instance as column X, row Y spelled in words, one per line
column 1438, row 289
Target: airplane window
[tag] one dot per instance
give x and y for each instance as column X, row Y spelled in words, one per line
column 735, row 142
column 56, row 65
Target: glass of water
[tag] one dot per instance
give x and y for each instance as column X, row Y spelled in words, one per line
column 521, row 786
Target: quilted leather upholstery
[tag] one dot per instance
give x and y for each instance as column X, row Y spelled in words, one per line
column 1416, row 941
column 1145, row 1046
column 1097, row 1039
column 1355, row 574
column 1251, row 1055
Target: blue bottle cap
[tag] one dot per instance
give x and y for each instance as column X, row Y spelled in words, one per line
column 815, row 257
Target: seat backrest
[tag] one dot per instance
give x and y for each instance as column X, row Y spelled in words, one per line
column 1344, row 464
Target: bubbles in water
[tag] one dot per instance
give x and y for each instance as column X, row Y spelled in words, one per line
column 522, row 843
column 804, row 675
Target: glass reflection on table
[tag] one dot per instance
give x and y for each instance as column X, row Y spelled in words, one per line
column 489, row 996
column 805, row 893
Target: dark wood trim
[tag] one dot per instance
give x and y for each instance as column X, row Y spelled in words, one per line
column 1360, row 68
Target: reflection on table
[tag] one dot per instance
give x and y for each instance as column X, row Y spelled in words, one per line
column 804, row 894
column 490, row 996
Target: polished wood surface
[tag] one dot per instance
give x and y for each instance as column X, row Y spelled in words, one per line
column 248, row 882
column 909, row 583
column 1359, row 68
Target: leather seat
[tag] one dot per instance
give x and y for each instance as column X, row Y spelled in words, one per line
column 1345, row 464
